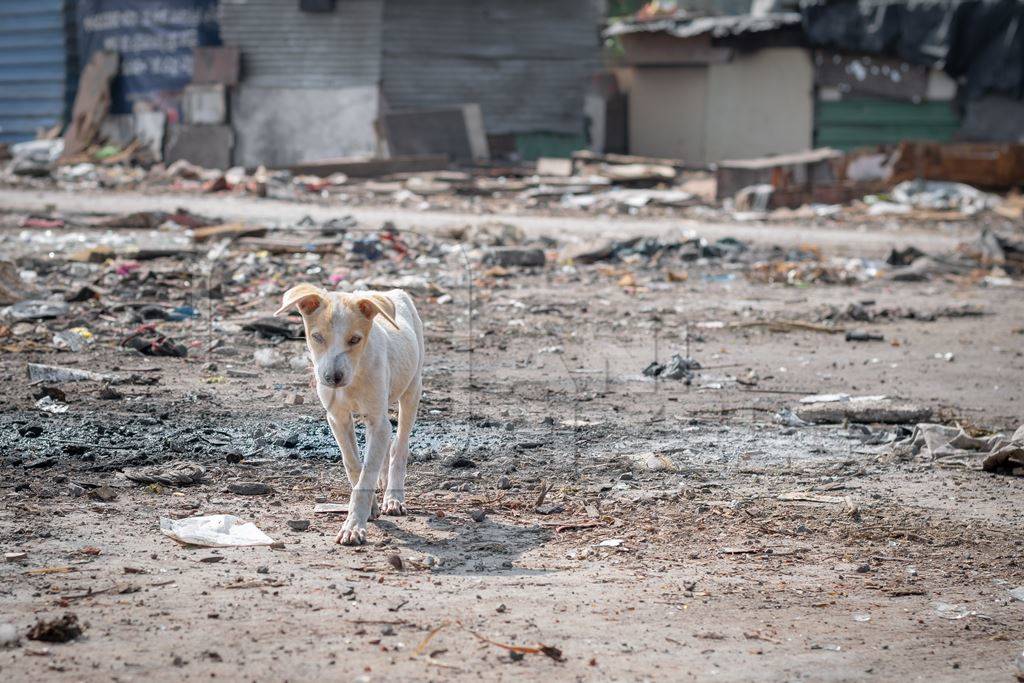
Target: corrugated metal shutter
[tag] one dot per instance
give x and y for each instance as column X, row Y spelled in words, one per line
column 848, row 124
column 283, row 47
column 527, row 63
column 37, row 66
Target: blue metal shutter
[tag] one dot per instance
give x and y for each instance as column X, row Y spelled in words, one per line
column 38, row 69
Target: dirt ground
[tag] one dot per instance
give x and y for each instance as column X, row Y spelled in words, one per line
column 592, row 561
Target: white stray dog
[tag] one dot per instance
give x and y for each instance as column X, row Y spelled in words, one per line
column 367, row 351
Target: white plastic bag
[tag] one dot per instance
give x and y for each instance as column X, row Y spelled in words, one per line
column 217, row 531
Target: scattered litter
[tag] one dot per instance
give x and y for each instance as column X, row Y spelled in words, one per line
column 59, row 630
column 940, row 444
column 330, row 508
column 48, row 404
column 175, row 473
column 74, row 339
column 653, row 462
column 37, row 310
column 8, row 636
column 215, row 531
column 788, row 418
column 610, row 543
column 806, row 497
column 863, row 336
column 147, row 341
column 59, row 375
column 950, row 611
column 677, row 368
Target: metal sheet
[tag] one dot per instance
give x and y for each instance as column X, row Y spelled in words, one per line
column 37, row 66
column 284, row 47
column 527, row 63
column 849, row 124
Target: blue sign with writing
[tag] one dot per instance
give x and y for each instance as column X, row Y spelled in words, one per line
column 155, row 39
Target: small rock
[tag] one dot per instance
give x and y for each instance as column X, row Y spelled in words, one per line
column 211, row 559
column 263, row 569
column 294, row 400
column 250, row 488
column 15, row 557
column 501, row 609
column 460, row 462
column 864, row 568
column 504, row 483
column 289, row 440
column 396, row 561
column 477, row 515
column 298, row 524
column 103, row 493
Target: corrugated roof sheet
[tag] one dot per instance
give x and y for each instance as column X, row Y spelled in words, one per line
column 719, row 27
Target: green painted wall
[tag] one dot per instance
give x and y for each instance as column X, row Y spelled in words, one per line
column 848, row 124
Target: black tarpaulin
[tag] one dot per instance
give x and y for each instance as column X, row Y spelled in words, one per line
column 979, row 41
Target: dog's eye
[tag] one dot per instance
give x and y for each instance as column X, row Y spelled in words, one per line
column 354, row 339
column 318, row 338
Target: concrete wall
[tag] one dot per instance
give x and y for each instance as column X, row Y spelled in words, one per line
column 760, row 103
column 666, row 112
column 279, row 126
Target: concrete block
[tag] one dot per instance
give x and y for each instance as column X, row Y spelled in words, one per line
column 553, row 166
column 285, row 126
column 150, row 127
column 216, row 65
column 205, row 104
column 206, row 146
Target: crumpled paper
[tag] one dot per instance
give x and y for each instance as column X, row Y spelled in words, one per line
column 935, row 442
column 215, row 531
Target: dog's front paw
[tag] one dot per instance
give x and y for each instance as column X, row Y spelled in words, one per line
column 393, row 507
column 352, row 534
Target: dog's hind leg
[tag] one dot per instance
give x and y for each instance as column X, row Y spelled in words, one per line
column 394, row 494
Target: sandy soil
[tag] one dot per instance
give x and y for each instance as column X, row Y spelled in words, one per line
column 695, row 570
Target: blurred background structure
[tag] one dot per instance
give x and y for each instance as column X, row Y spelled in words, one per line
column 285, row 84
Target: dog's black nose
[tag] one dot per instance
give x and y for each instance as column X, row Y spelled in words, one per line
column 333, row 377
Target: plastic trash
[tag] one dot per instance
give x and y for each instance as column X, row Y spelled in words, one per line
column 215, row 531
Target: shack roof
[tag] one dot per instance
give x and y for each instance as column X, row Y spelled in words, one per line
column 685, row 25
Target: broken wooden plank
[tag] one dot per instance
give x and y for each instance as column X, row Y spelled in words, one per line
column 91, row 103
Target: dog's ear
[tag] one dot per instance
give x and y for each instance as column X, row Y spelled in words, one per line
column 308, row 298
column 372, row 304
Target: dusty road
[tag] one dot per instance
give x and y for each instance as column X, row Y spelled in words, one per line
column 749, row 550
column 842, row 239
